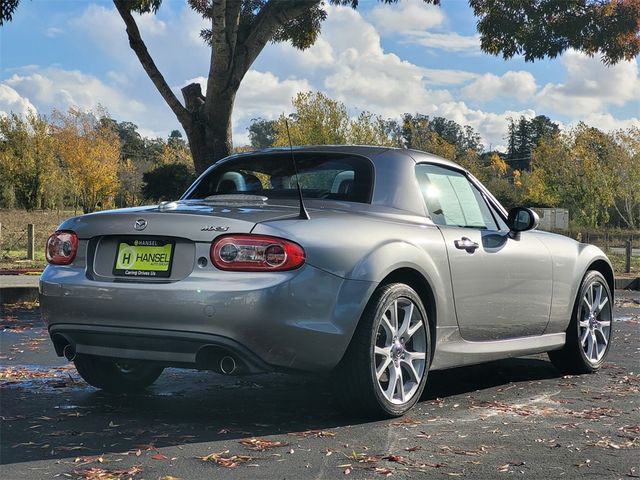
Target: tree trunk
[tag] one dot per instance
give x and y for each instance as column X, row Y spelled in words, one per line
column 207, row 121
column 210, row 139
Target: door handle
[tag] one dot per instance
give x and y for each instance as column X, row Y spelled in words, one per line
column 467, row 244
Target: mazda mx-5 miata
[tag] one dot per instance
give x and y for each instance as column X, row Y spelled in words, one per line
column 384, row 264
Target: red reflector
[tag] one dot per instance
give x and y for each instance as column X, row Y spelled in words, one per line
column 255, row 253
column 62, row 247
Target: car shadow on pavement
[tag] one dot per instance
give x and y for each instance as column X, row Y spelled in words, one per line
column 49, row 421
column 456, row 381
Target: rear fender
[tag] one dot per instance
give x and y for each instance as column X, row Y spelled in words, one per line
column 430, row 262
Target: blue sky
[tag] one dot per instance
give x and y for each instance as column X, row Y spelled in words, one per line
column 406, row 58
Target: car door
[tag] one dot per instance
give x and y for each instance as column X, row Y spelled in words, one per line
column 502, row 286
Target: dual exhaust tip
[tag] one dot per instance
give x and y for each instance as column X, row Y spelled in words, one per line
column 227, row 364
column 69, row 352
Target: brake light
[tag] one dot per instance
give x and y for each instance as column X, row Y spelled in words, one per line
column 255, row 253
column 62, row 247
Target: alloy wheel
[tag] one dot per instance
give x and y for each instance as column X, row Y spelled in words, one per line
column 594, row 327
column 400, row 352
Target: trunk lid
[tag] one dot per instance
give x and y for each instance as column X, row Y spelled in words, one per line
column 167, row 238
column 195, row 220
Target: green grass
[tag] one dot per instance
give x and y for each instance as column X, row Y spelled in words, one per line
column 13, row 259
column 618, row 262
column 13, row 242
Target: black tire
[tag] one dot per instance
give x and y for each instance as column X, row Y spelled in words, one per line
column 116, row 377
column 357, row 387
column 572, row 358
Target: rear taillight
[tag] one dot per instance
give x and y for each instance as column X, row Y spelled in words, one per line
column 255, row 253
column 62, row 247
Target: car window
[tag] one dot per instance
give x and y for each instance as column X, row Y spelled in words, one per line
column 452, row 200
column 327, row 176
column 502, row 224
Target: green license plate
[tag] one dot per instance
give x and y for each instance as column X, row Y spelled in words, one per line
column 148, row 257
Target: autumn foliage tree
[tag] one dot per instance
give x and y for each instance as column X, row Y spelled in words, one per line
column 594, row 174
column 626, row 181
column 29, row 171
column 90, row 153
column 320, row 120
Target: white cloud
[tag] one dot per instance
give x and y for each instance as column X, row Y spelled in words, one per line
column 12, row 101
column 364, row 76
column 175, row 46
column 118, row 77
column 449, row 41
column 261, row 94
column 415, row 21
column 491, row 126
column 406, row 16
column 442, row 76
column 53, row 32
column 518, row 84
column 590, row 87
column 607, row 122
column 149, row 133
column 103, row 27
column 57, row 88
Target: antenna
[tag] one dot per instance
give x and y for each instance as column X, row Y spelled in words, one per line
column 304, row 215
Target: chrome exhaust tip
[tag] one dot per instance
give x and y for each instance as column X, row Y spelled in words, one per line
column 227, row 365
column 69, row 352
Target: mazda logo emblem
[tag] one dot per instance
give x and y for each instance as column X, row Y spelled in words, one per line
column 140, row 224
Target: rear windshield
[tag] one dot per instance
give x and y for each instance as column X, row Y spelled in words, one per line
column 321, row 175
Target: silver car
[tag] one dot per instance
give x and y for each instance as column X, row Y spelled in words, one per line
column 384, row 264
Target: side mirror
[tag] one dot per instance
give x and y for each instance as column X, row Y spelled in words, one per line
column 521, row 219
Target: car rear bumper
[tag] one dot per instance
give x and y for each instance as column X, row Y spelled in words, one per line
column 302, row 320
column 165, row 347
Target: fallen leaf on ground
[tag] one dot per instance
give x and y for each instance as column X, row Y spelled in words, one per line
column 261, row 444
column 413, row 449
column 395, row 458
column 387, row 472
column 316, row 433
column 407, row 421
column 108, row 474
column 225, row 460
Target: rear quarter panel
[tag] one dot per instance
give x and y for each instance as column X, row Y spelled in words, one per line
column 369, row 247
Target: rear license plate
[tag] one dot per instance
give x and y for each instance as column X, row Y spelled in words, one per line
column 148, row 257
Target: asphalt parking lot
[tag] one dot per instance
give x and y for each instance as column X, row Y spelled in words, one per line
column 508, row 419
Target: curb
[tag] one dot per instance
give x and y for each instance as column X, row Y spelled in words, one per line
column 18, row 294
column 627, row 283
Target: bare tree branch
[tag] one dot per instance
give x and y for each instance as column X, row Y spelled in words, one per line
column 140, row 49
